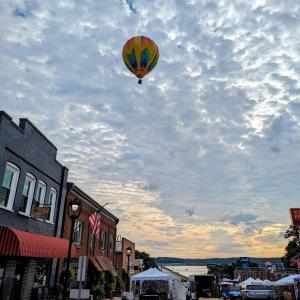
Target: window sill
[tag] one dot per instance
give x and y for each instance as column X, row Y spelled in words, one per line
column 6, row 208
column 49, row 222
column 24, row 214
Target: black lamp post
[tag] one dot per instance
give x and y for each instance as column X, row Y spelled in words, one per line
column 128, row 253
column 74, row 209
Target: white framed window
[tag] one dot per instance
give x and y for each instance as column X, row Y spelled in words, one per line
column 78, row 233
column 51, row 203
column 103, row 240
column 9, row 185
column 111, row 244
column 27, row 194
column 40, row 193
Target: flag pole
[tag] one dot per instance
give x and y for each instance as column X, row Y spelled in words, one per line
column 101, row 208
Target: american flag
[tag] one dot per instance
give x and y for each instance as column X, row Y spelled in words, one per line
column 94, row 220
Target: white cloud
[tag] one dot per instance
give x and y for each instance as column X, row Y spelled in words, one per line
column 213, row 131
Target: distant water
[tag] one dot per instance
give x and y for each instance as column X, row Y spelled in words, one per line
column 186, row 270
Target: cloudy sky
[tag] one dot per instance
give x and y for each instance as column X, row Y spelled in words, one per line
column 202, row 159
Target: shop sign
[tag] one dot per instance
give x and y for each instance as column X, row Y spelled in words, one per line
column 119, row 246
column 40, row 212
column 81, row 268
column 295, row 216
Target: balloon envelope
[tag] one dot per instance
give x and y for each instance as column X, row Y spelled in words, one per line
column 140, row 55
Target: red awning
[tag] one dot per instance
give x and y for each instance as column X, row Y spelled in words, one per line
column 95, row 263
column 106, row 264
column 15, row 242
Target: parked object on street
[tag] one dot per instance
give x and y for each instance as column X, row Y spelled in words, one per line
column 230, row 290
column 289, row 280
column 258, row 292
column 153, row 283
column 201, row 286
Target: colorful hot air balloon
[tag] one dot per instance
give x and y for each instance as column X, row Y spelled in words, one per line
column 140, row 55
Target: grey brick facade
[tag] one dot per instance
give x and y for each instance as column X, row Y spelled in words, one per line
column 25, row 147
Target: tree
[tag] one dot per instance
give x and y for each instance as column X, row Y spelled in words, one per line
column 148, row 261
column 221, row 271
column 227, row 270
column 292, row 250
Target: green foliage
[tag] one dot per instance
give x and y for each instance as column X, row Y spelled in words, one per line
column 109, row 278
column 71, row 273
column 119, row 285
column 227, row 270
column 148, row 261
column 221, row 271
column 292, row 249
column 99, row 293
column 101, row 276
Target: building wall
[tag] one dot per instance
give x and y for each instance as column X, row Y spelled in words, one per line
column 26, row 147
column 122, row 257
column 108, row 224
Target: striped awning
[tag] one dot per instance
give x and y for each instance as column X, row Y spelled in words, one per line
column 15, row 242
column 95, row 264
column 106, row 264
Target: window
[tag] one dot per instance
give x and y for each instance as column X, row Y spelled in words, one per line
column 51, row 203
column 92, row 243
column 103, row 240
column 78, row 233
column 27, row 194
column 111, row 243
column 40, row 192
column 9, row 185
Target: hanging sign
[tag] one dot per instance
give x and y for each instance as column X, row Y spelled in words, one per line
column 295, row 216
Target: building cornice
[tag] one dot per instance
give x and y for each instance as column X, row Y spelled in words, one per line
column 72, row 188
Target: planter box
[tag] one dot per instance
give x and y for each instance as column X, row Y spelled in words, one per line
column 40, row 212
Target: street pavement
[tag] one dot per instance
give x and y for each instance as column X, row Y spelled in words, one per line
column 178, row 290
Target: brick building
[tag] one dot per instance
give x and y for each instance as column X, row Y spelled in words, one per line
column 122, row 261
column 32, row 191
column 100, row 251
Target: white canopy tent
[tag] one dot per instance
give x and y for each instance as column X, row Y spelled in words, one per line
column 289, row 280
column 259, row 281
column 268, row 282
column 151, row 274
column 249, row 281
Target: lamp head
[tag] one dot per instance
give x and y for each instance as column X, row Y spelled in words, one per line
column 128, row 251
column 74, row 208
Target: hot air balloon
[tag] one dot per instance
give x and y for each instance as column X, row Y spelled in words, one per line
column 140, row 55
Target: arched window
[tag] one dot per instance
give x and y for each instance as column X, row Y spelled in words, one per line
column 27, row 194
column 9, row 185
column 40, row 193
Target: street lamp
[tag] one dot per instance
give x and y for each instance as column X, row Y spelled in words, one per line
column 73, row 209
column 128, row 253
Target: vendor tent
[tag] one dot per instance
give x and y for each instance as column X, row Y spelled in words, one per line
column 151, row 274
column 289, row 280
column 268, row 282
column 249, row 281
column 259, row 281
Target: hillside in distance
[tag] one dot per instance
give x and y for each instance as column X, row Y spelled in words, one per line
column 206, row 261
